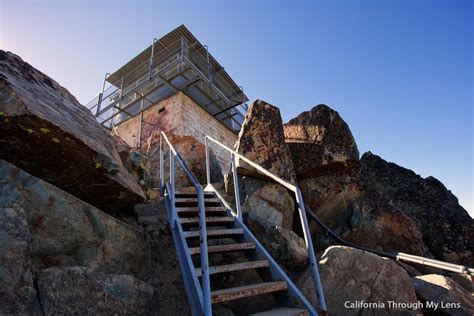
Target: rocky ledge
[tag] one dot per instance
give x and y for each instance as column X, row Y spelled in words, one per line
column 46, row 132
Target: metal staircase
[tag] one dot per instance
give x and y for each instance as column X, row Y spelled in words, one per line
column 197, row 215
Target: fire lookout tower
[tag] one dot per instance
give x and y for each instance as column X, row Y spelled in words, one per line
column 173, row 85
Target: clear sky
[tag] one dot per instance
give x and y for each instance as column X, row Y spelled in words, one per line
column 399, row 72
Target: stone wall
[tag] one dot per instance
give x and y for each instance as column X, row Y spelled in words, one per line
column 179, row 115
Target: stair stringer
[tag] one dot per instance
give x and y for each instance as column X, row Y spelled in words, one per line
column 191, row 282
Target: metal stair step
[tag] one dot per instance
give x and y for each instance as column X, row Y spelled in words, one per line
column 194, row 201
column 223, row 248
column 215, row 233
column 210, row 221
column 207, row 195
column 247, row 290
column 284, row 311
column 214, row 210
column 235, row 267
column 185, row 190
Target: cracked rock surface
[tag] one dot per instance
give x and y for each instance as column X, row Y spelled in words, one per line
column 45, row 131
column 352, row 275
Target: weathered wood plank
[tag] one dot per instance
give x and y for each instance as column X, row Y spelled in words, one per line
column 195, row 200
column 224, row 248
column 194, row 211
column 193, row 195
column 210, row 221
column 284, row 311
column 217, row 233
column 247, row 290
column 235, row 267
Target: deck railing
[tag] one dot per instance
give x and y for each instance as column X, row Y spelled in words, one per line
column 177, row 67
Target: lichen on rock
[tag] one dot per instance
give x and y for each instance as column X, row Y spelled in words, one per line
column 352, row 275
column 262, row 140
column 320, row 142
column 52, row 136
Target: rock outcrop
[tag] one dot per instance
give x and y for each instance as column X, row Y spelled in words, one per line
column 268, row 207
column 352, row 275
column 428, row 203
column 165, row 273
column 387, row 207
column 376, row 224
column 17, row 292
column 450, row 297
column 136, row 163
column 192, row 152
column 39, row 118
column 287, row 248
column 360, row 215
column 464, row 280
column 268, row 210
column 76, row 247
column 267, row 203
column 262, row 140
column 66, row 231
column 320, row 142
column 84, row 291
column 332, row 198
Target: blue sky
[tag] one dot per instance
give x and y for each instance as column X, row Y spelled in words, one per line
column 399, row 72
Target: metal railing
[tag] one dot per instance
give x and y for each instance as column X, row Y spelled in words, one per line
column 177, row 67
column 200, row 295
column 394, row 255
column 299, row 200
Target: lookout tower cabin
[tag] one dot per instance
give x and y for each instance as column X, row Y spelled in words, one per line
column 173, row 85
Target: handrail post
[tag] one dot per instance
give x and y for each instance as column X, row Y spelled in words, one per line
column 208, row 166
column 206, row 285
column 119, row 104
column 103, row 84
column 101, row 94
column 140, row 131
column 208, row 64
column 236, row 186
column 309, row 244
column 182, row 52
column 121, row 91
column 162, row 176
column 151, row 58
column 172, row 193
column 99, row 101
column 181, row 49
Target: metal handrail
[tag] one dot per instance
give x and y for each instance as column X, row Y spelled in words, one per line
column 133, row 92
column 394, row 255
column 275, row 269
column 299, row 200
column 174, row 220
